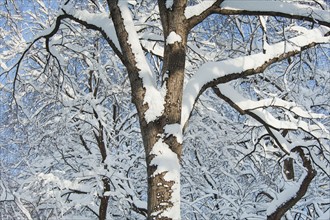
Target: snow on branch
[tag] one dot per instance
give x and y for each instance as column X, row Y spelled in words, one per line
column 153, row 97
column 292, row 192
column 169, row 4
column 265, row 117
column 197, row 13
column 175, row 130
column 213, row 73
column 100, row 20
column 173, row 37
column 196, row 10
column 150, row 42
column 247, row 104
column 276, row 8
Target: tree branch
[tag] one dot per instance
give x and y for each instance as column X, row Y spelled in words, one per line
column 196, row 19
column 273, row 8
column 277, row 9
column 214, row 73
column 302, row 185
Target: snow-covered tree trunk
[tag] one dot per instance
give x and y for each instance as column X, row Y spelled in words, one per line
column 162, row 132
column 163, row 156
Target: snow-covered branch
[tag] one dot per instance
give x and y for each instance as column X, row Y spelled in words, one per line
column 195, row 10
column 197, row 13
column 293, row 191
column 259, row 112
column 276, row 8
column 136, row 60
column 97, row 21
column 213, row 73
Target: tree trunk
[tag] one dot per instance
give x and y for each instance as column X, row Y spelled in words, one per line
column 106, row 185
column 163, row 150
column 164, row 194
column 164, row 179
column 104, row 200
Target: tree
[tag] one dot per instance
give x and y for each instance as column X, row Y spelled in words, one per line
column 173, row 52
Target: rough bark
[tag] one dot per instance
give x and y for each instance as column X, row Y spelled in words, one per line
column 159, row 190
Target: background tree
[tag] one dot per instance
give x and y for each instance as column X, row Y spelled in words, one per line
column 264, row 61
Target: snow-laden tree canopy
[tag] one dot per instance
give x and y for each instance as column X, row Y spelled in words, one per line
column 181, row 109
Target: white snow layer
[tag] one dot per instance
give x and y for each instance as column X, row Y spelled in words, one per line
column 258, row 108
column 248, row 104
column 195, row 10
column 214, row 70
column 100, row 20
column 153, row 97
column 169, row 4
column 173, row 37
column 167, row 162
column 288, row 193
column 277, row 6
column 175, row 130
